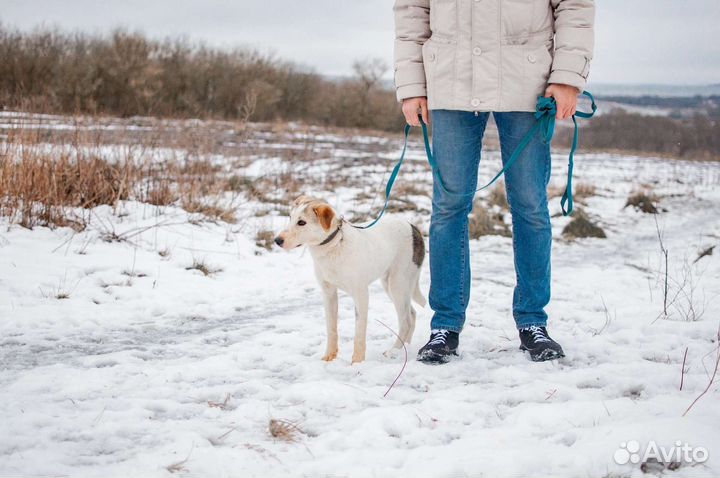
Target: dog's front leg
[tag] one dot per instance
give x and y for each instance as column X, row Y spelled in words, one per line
column 361, row 315
column 331, row 320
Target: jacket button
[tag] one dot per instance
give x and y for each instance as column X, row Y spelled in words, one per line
column 532, row 58
column 477, row 51
column 431, row 57
column 475, row 102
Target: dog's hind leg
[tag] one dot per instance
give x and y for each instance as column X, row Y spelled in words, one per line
column 418, row 296
column 330, row 297
column 411, row 326
column 361, row 316
column 385, row 285
column 401, row 293
column 403, row 323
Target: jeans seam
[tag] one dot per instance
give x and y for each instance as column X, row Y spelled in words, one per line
column 548, row 167
column 514, row 245
column 462, row 270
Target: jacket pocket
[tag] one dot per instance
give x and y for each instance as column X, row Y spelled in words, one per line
column 538, row 62
column 443, row 17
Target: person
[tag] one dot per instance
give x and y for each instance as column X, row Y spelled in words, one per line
column 457, row 61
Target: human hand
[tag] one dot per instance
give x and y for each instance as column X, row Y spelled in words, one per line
column 566, row 99
column 412, row 106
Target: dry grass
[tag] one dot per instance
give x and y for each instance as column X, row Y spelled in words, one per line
column 407, row 188
column 581, row 192
column 39, row 187
column 201, row 266
column 483, row 222
column 180, row 465
column 265, row 239
column 211, row 211
column 53, row 179
column 224, row 405
column 498, row 197
column 644, row 201
column 284, row 430
column 581, row 226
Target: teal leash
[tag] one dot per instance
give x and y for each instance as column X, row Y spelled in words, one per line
column 545, row 112
column 567, row 195
column 391, row 180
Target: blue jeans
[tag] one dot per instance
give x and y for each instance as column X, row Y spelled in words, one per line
column 457, row 140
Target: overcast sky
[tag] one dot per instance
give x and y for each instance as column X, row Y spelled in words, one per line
column 638, row 41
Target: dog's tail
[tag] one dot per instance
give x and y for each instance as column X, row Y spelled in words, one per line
column 418, row 297
column 418, row 255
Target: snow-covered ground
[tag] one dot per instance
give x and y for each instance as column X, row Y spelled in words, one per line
column 120, row 359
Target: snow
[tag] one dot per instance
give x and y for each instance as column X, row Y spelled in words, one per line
column 129, row 374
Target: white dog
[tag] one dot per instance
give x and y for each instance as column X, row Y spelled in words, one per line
column 350, row 259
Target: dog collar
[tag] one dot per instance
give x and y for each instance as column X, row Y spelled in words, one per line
column 332, row 235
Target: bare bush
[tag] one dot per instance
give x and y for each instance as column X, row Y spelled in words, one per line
column 128, row 74
column 581, row 226
column 681, row 294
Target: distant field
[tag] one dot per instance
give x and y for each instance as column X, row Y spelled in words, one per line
column 148, row 323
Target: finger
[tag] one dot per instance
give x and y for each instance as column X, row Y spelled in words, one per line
column 412, row 119
column 407, row 115
column 415, row 119
column 424, row 112
column 548, row 94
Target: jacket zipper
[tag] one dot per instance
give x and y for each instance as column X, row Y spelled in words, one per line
column 499, row 66
column 472, row 59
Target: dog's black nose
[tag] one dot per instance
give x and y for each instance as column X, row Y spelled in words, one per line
column 279, row 241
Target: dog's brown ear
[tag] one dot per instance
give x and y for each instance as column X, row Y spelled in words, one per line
column 325, row 215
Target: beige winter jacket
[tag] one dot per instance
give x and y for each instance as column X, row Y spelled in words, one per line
column 490, row 55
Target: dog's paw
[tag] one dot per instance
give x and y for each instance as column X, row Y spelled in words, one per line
column 330, row 356
column 357, row 358
column 391, row 352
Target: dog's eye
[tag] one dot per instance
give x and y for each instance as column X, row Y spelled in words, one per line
column 301, row 222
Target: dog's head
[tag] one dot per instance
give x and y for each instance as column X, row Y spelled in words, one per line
column 311, row 221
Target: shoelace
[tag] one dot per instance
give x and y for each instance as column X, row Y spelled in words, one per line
column 538, row 334
column 439, row 336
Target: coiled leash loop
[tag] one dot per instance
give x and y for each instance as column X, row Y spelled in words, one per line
column 545, row 112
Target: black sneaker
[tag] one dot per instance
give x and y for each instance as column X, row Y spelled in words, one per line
column 441, row 347
column 541, row 347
